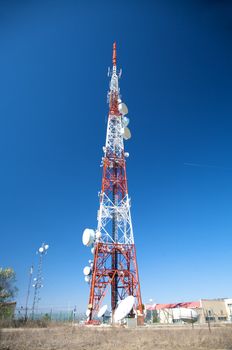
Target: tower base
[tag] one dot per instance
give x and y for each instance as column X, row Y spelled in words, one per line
column 105, row 274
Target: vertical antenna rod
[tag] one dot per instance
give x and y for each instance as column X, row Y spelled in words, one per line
column 28, row 291
column 114, row 54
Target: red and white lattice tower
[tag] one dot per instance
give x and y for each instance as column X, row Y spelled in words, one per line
column 114, row 265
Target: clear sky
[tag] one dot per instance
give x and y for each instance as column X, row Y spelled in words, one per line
column 176, row 59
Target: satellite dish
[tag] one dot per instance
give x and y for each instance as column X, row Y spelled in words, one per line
column 127, row 133
column 102, row 311
column 88, row 237
column 122, row 107
column 41, row 249
column 87, row 279
column 124, row 308
column 92, row 250
column 87, row 312
column 86, row 270
column 46, row 246
column 125, row 121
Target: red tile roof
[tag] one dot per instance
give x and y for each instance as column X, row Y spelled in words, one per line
column 188, row 305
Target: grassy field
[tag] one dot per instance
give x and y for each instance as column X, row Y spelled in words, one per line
column 96, row 338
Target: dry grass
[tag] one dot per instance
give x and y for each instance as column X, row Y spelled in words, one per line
column 97, row 338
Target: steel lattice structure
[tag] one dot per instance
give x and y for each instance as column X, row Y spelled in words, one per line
column 114, row 264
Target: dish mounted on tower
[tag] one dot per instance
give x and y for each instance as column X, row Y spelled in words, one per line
column 112, row 243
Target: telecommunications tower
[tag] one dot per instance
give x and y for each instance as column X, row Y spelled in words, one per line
column 38, row 280
column 114, row 266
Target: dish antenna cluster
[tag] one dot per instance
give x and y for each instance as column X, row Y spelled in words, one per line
column 122, row 107
column 89, row 237
column 114, row 262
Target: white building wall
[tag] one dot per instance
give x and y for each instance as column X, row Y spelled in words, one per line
column 228, row 304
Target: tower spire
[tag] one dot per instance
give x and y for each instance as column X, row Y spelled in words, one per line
column 114, row 54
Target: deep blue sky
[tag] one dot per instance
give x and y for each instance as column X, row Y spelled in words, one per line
column 176, row 58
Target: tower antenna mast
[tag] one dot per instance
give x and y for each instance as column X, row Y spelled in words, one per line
column 112, row 243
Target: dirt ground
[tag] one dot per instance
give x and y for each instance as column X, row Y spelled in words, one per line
column 99, row 338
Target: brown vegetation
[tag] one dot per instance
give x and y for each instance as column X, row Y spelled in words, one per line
column 98, row 338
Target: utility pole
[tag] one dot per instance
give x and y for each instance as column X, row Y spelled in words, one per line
column 28, row 291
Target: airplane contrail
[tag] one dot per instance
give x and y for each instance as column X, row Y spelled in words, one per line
column 198, row 165
column 193, row 164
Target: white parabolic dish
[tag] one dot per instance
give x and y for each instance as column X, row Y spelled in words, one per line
column 102, row 311
column 87, row 312
column 127, row 133
column 124, row 308
column 125, row 121
column 87, row 279
column 122, row 107
column 88, row 237
column 87, row 270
